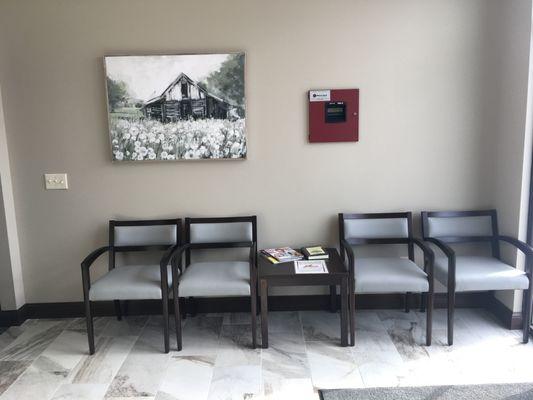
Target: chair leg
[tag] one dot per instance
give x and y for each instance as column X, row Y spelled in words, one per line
column 253, row 313
column 90, row 328
column 429, row 317
column 526, row 314
column 193, row 306
column 451, row 310
column 177, row 316
column 423, row 300
column 183, row 305
column 351, row 310
column 407, row 298
column 165, row 320
column 118, row 309
column 333, row 298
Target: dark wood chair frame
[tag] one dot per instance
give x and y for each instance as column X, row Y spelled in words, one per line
column 174, row 256
column 410, row 241
column 112, row 249
column 494, row 240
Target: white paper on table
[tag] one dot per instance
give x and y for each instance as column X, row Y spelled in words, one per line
column 310, row 267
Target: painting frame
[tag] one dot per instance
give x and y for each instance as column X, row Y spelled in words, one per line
column 240, row 155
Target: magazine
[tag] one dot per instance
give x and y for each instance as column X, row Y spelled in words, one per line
column 310, row 267
column 284, row 254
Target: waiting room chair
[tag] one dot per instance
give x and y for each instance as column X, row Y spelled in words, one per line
column 475, row 273
column 374, row 275
column 137, row 281
column 215, row 278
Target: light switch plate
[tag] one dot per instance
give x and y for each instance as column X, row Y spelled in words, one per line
column 56, row 181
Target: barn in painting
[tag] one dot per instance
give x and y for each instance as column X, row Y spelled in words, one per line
column 184, row 99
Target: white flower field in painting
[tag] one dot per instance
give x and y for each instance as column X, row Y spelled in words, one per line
column 139, row 140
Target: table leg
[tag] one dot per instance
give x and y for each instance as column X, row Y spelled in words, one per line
column 344, row 312
column 264, row 312
column 333, row 298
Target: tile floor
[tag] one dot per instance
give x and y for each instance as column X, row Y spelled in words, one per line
column 48, row 359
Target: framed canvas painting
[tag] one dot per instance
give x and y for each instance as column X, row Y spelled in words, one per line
column 176, row 107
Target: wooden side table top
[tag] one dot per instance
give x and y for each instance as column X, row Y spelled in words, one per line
column 285, row 271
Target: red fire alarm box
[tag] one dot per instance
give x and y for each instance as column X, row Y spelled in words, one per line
column 334, row 115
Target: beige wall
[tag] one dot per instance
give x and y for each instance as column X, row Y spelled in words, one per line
column 11, row 283
column 420, row 65
column 508, row 161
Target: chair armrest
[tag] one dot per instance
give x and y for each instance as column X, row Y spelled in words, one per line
column 351, row 257
column 172, row 252
column 86, row 264
column 429, row 254
column 91, row 258
column 447, row 250
column 429, row 257
column 253, row 254
column 523, row 247
column 252, row 259
column 170, row 256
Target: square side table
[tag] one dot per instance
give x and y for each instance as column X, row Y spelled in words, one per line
column 283, row 274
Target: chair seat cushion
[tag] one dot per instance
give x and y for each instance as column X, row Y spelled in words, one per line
column 215, row 279
column 389, row 275
column 481, row 273
column 130, row 282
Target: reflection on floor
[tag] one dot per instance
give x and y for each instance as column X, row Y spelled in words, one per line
column 48, row 359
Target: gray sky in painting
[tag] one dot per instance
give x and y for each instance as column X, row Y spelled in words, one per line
column 148, row 76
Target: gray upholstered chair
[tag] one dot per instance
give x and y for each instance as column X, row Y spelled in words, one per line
column 374, row 275
column 468, row 273
column 139, row 281
column 215, row 278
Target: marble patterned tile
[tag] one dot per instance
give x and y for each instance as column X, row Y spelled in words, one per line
column 40, row 381
column 10, row 371
column 321, row 325
column 99, row 324
column 141, row 373
column 52, row 368
column 282, row 389
column 218, row 363
column 187, row 378
column 285, row 357
column 201, row 335
column 235, row 346
column 80, row 391
column 238, row 318
column 237, row 370
column 235, row 382
column 9, row 335
column 406, row 331
column 127, row 326
column 101, row 367
column 332, row 366
column 33, row 340
column 285, row 321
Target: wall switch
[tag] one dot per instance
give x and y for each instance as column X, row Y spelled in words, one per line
column 55, row 181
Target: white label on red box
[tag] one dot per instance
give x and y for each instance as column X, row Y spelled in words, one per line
column 319, row 95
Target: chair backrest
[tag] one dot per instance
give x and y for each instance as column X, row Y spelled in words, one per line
column 377, row 228
column 462, row 227
column 221, row 232
column 142, row 235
